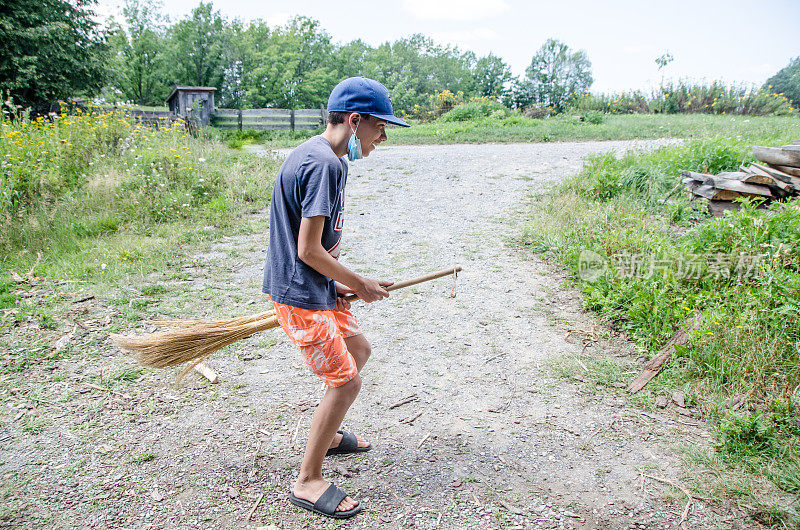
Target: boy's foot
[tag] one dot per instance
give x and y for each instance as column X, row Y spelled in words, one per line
column 337, row 439
column 311, row 492
column 345, row 443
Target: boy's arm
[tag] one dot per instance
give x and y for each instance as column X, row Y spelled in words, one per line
column 312, row 253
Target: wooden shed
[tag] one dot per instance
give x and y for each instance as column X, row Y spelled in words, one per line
column 184, row 98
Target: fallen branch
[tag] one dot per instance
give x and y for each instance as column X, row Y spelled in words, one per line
column 404, row 401
column 424, row 439
column 296, row 431
column 253, row 509
column 411, row 419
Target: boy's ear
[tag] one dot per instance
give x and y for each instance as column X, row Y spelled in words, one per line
column 353, row 119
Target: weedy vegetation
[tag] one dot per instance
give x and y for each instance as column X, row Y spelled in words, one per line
column 98, row 197
column 667, row 265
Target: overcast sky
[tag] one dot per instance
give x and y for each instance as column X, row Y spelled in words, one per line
column 743, row 41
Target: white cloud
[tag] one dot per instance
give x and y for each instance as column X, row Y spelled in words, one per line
column 455, row 9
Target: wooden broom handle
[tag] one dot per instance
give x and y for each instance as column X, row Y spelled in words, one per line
column 414, row 281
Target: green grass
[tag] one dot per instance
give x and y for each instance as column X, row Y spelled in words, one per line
column 625, row 212
column 144, row 457
column 509, row 127
column 272, row 139
column 568, row 127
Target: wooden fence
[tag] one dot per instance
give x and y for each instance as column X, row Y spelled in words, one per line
column 229, row 119
column 269, row 119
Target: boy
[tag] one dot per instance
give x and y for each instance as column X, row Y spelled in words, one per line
column 306, row 282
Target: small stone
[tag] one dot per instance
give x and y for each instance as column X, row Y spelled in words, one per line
column 679, row 399
column 157, row 496
column 233, row 492
column 662, row 402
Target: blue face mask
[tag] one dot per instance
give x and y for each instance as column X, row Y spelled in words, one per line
column 354, row 147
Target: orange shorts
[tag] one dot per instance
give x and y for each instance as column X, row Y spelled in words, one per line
column 319, row 335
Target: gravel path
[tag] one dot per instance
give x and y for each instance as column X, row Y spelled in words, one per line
column 491, row 439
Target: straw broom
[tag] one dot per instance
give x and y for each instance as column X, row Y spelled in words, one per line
column 194, row 341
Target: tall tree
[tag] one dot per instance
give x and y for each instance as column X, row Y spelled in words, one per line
column 236, row 54
column 293, row 69
column 198, row 47
column 787, row 82
column 556, row 74
column 492, row 76
column 49, row 50
column 415, row 66
column 139, row 68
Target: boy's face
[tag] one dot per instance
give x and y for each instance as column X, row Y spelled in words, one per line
column 371, row 132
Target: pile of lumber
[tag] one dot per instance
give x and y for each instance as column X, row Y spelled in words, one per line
column 776, row 176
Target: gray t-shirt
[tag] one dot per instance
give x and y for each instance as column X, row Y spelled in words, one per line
column 310, row 183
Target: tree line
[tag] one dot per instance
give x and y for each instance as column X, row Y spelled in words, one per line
column 54, row 49
column 255, row 65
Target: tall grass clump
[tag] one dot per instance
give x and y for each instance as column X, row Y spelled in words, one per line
column 448, row 106
column 741, row 271
column 684, row 97
column 662, row 264
column 70, row 184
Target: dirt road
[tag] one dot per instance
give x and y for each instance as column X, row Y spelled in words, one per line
column 491, row 438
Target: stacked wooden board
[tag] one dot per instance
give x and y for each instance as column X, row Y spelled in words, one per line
column 776, row 176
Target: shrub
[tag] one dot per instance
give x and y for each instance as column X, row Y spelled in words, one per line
column 684, row 97
column 594, row 117
column 537, row 112
column 475, row 109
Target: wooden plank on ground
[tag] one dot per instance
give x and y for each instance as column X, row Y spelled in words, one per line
column 781, row 156
column 780, row 175
column 793, row 171
column 756, row 177
column 702, row 177
column 708, row 191
column 651, row 369
column 779, row 187
column 732, row 183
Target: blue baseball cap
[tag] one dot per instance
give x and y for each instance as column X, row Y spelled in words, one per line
column 365, row 96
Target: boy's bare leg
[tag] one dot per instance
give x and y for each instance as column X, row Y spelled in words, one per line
column 327, row 418
column 359, row 348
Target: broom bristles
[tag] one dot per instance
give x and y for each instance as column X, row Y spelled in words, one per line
column 183, row 323
column 194, row 343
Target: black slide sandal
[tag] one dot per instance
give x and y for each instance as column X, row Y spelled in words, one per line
column 349, row 444
column 327, row 503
